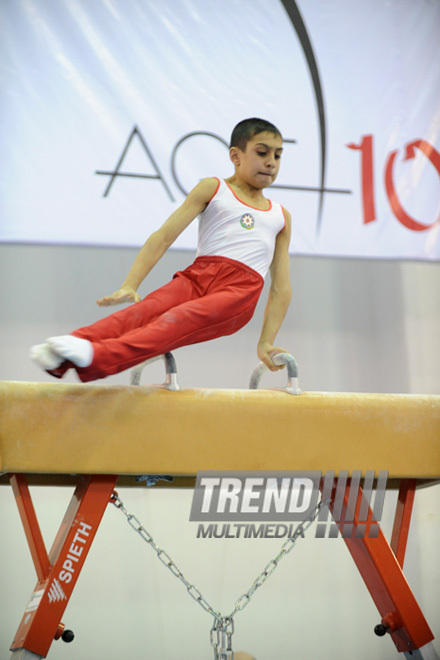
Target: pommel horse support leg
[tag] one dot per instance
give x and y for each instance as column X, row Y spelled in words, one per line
column 57, row 571
column 380, row 566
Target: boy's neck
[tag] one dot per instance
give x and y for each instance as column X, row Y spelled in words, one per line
column 245, row 190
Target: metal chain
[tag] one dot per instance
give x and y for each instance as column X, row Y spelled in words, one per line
column 270, row 567
column 221, row 623
column 221, row 638
column 164, row 557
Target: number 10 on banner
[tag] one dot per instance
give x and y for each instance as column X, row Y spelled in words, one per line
column 367, row 173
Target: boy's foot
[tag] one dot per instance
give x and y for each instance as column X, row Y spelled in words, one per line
column 77, row 350
column 43, row 355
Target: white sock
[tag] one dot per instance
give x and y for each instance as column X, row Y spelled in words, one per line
column 43, row 355
column 77, row 350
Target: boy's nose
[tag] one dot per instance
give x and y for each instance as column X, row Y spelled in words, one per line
column 270, row 161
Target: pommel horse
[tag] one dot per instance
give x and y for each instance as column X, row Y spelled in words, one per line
column 119, row 432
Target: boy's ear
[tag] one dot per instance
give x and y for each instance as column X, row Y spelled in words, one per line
column 234, row 155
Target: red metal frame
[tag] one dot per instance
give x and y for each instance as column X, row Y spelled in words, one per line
column 379, row 563
column 58, row 572
column 382, row 572
column 402, row 519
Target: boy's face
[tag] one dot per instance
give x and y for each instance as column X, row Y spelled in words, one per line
column 259, row 163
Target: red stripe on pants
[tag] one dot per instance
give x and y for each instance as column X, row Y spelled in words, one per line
column 212, row 298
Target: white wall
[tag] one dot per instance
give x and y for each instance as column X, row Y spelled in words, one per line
column 366, row 326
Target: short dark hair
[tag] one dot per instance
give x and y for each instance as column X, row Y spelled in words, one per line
column 246, row 129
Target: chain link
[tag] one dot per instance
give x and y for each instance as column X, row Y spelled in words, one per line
column 221, row 638
column 221, row 623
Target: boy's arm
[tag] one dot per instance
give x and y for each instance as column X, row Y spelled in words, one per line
column 278, row 301
column 159, row 242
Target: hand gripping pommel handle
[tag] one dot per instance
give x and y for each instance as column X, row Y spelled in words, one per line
column 170, row 383
column 292, row 386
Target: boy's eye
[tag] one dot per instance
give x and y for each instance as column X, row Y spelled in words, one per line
column 264, row 153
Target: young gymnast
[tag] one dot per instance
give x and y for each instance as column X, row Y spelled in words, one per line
column 242, row 235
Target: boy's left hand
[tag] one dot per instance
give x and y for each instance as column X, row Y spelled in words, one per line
column 266, row 352
column 120, row 296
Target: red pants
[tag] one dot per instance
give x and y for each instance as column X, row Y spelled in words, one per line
column 212, row 298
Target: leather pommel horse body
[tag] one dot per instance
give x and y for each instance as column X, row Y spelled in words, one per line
column 49, row 432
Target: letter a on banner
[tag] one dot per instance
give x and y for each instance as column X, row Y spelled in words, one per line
column 116, row 172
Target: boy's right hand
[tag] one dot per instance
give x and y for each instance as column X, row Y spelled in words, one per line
column 118, row 297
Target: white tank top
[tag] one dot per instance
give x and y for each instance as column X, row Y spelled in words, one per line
column 230, row 228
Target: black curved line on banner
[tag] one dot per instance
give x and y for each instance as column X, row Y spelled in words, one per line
column 300, row 28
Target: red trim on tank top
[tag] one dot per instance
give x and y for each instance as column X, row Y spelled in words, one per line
column 249, row 205
column 216, row 190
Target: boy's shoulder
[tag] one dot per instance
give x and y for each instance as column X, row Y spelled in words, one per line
column 208, row 184
column 207, row 187
column 211, row 182
column 200, row 196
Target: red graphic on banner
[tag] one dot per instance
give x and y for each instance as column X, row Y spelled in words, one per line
column 366, row 149
column 367, row 178
column 400, row 213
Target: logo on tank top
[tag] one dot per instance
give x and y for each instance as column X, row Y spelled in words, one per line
column 247, row 221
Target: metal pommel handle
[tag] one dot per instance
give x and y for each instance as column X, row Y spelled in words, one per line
column 292, row 386
column 170, row 383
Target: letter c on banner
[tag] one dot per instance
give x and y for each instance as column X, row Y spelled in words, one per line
column 403, row 217
column 179, row 144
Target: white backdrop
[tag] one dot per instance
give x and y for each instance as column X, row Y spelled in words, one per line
column 354, row 325
column 157, row 88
